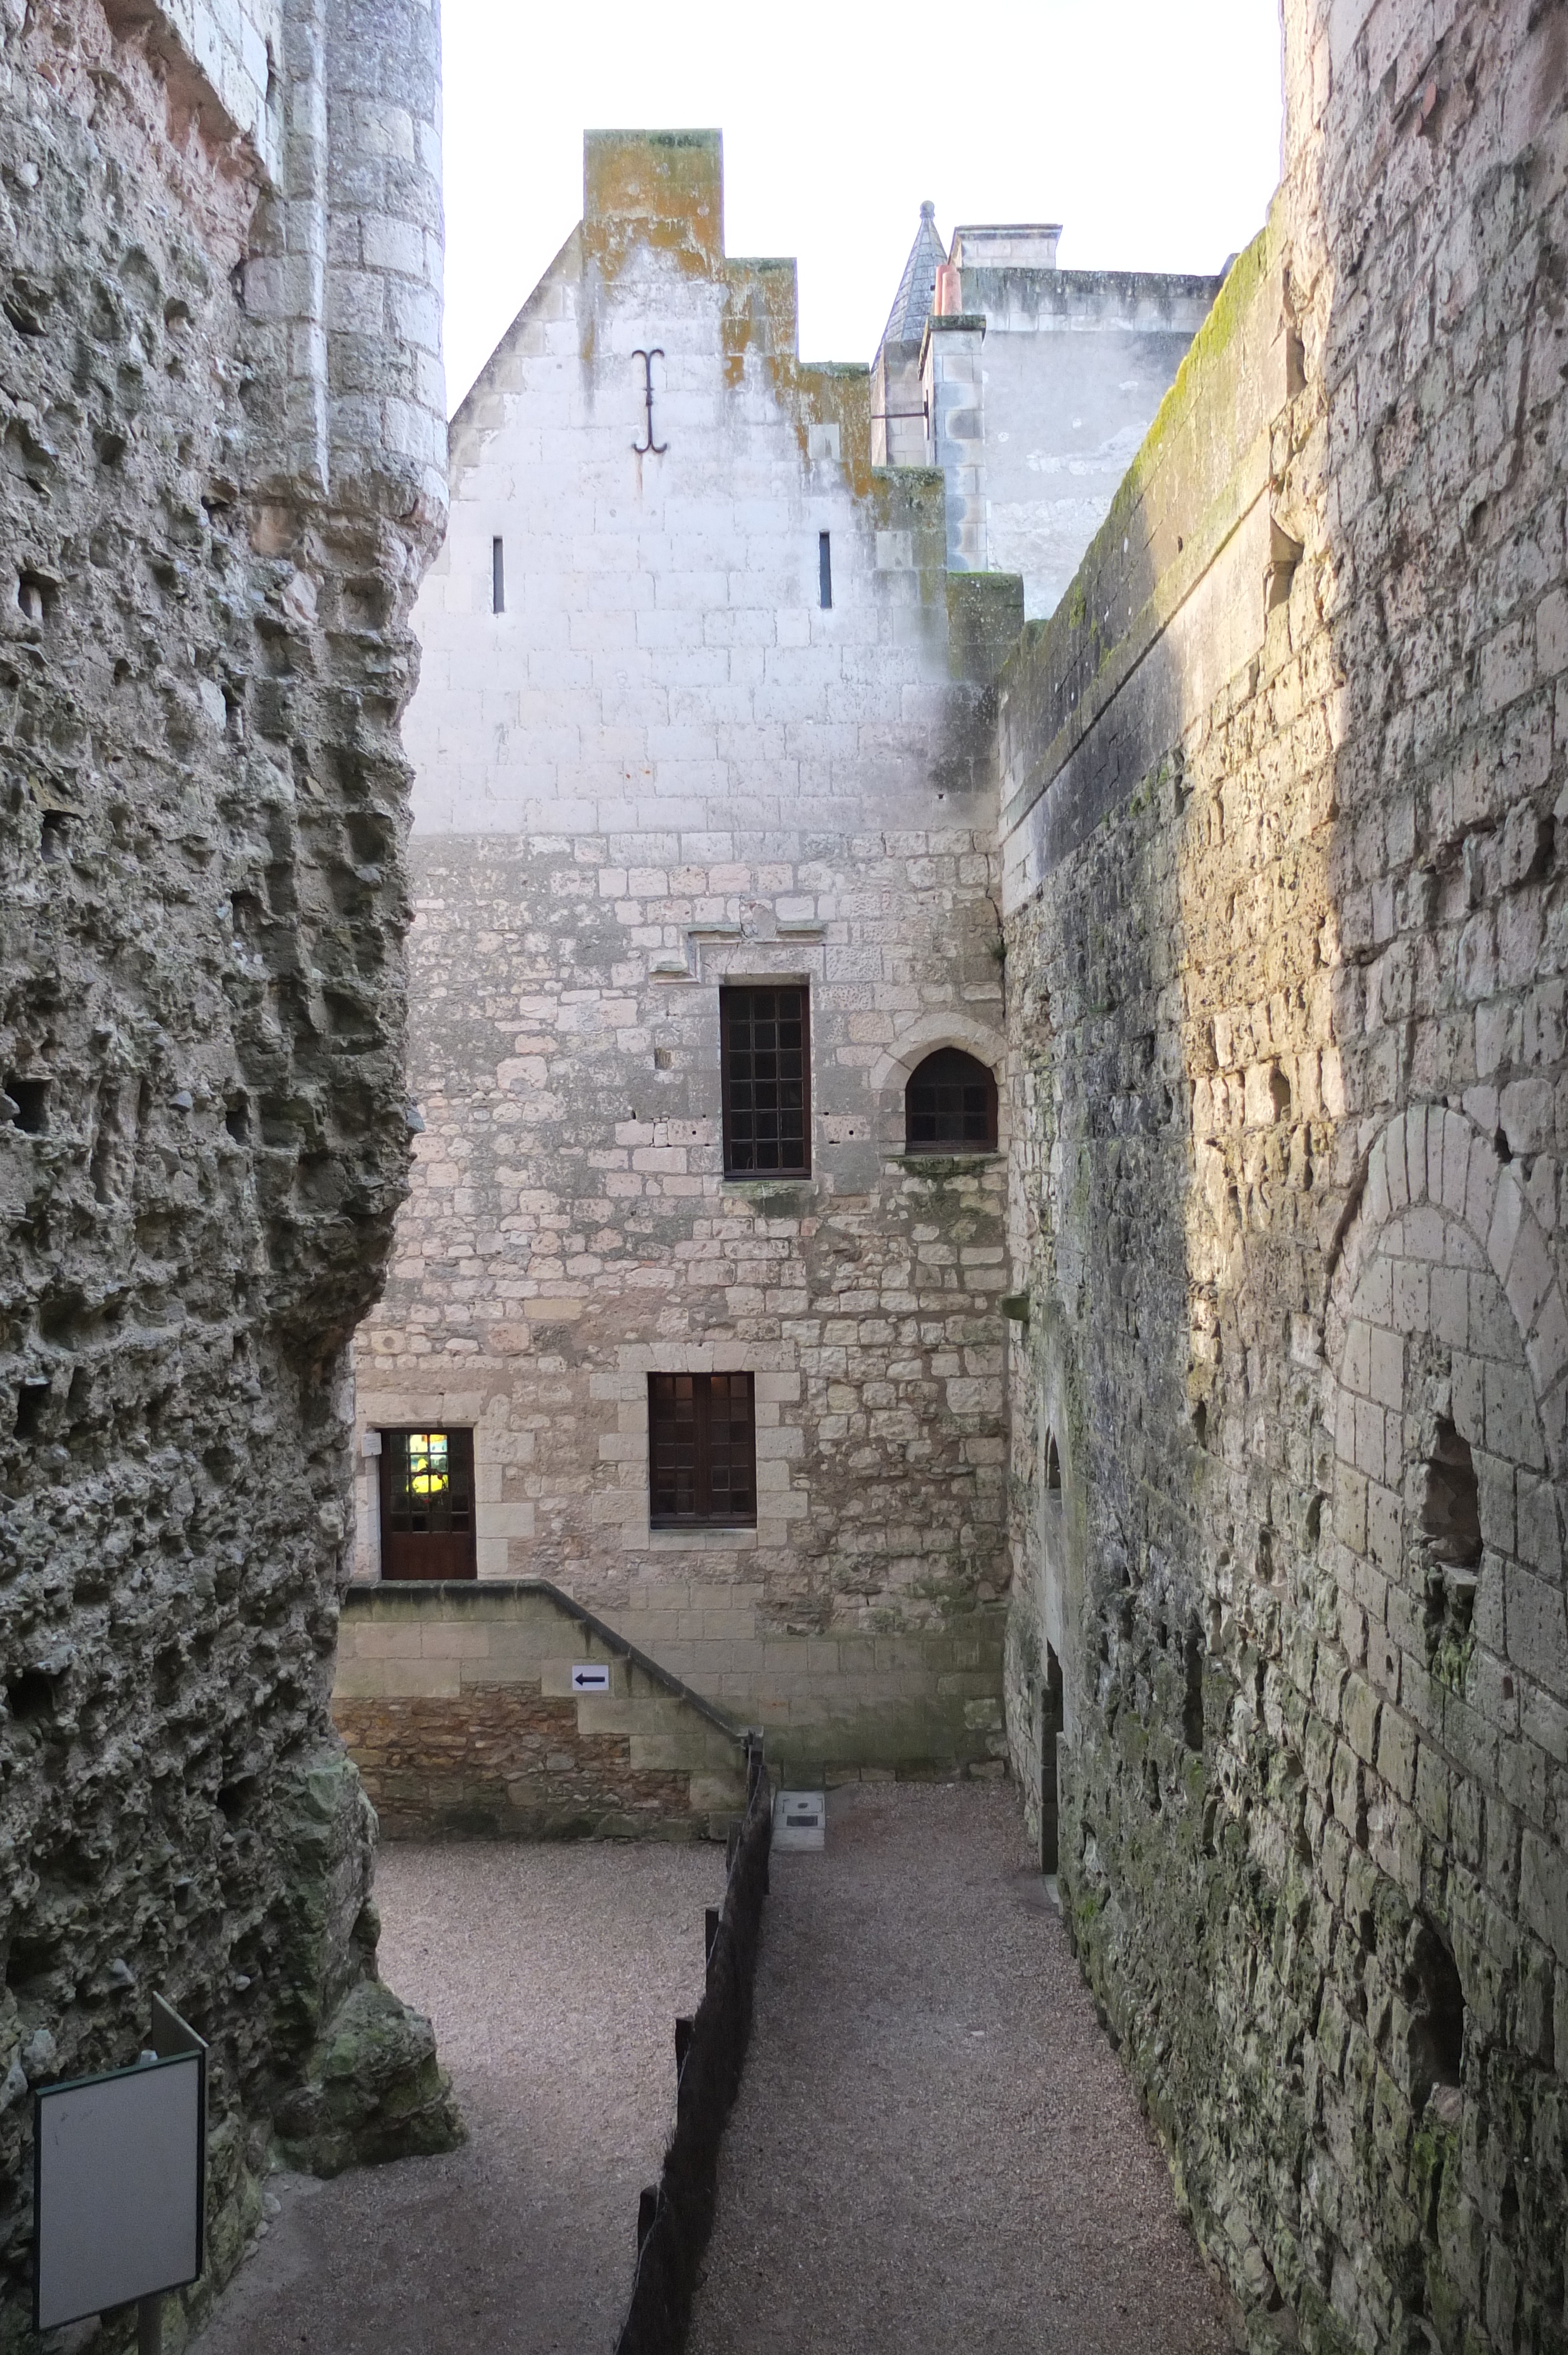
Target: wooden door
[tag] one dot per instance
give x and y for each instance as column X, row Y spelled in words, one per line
column 427, row 1504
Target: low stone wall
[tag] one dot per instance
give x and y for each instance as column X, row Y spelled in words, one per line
column 457, row 1704
column 910, row 1703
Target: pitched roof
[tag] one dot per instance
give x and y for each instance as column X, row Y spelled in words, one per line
column 916, row 288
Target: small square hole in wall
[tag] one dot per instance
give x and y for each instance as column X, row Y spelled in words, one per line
column 31, row 1399
column 31, row 1098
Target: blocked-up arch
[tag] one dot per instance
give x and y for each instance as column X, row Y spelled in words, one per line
column 1448, row 1349
column 1434, row 1161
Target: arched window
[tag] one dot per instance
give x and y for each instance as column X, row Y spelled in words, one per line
column 950, row 1105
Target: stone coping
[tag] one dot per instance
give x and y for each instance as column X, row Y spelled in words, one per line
column 392, row 1597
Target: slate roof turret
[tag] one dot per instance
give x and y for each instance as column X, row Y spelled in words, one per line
column 918, row 287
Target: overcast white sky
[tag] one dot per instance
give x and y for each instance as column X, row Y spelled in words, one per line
column 1150, row 128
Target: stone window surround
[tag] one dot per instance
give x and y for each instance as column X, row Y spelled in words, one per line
column 776, row 1395
column 890, row 1075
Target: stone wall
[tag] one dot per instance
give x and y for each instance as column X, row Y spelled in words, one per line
column 662, row 766
column 460, row 1706
column 207, row 555
column 1039, row 388
column 1284, row 877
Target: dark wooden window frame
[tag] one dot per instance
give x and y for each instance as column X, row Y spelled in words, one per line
column 918, row 1112
column 445, row 1547
column 738, row 1006
column 699, row 1477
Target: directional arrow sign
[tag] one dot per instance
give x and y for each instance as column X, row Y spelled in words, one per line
column 591, row 1675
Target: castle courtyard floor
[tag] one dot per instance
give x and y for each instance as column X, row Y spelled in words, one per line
column 935, row 2150
column 552, row 1975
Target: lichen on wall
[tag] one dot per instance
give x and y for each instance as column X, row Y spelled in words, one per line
column 1283, row 809
column 202, row 1130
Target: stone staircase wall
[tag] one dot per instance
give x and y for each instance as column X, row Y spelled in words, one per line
column 456, row 1702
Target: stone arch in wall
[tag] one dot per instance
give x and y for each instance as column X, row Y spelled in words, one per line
column 1447, row 1346
column 948, row 1026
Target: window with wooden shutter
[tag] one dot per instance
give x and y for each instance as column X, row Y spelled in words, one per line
column 427, row 1504
column 764, row 1058
column 701, row 1450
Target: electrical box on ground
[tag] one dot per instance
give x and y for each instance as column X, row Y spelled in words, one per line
column 800, row 1819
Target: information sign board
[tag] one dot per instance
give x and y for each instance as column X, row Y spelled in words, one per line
column 119, row 2167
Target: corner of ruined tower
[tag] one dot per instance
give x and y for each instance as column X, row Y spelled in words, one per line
column 222, row 421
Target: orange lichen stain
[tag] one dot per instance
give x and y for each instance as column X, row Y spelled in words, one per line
column 737, row 334
column 660, row 189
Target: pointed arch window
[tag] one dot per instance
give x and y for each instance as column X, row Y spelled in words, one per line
column 950, row 1105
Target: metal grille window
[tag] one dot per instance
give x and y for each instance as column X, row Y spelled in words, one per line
column 702, row 1450
column 427, row 1504
column 950, row 1105
column 764, row 1058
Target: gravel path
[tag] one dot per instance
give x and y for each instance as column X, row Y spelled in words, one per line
column 935, row 2150
column 552, row 1975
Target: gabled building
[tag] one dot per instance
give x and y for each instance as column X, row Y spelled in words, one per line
column 697, row 1304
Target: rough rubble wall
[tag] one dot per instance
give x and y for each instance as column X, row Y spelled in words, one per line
column 1285, row 949
column 203, row 658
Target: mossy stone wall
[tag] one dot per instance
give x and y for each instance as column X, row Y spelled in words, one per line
column 1286, row 918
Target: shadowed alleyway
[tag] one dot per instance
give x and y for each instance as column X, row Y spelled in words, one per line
column 935, row 2148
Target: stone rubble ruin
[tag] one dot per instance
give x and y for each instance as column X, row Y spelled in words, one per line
column 223, row 473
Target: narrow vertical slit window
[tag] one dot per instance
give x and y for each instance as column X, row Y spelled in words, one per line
column 825, row 567
column 764, row 1063
column 498, row 576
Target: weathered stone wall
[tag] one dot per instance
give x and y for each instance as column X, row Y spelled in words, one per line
column 1038, row 390
column 1283, row 808
column 664, row 766
column 206, row 561
column 459, row 1707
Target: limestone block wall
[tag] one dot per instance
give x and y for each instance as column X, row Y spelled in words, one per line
column 459, row 1707
column 1283, row 813
column 204, row 655
column 663, row 765
column 1076, row 362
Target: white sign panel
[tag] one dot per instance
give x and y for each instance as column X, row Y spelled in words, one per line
column 591, row 1675
column 118, row 2168
column 800, row 1819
